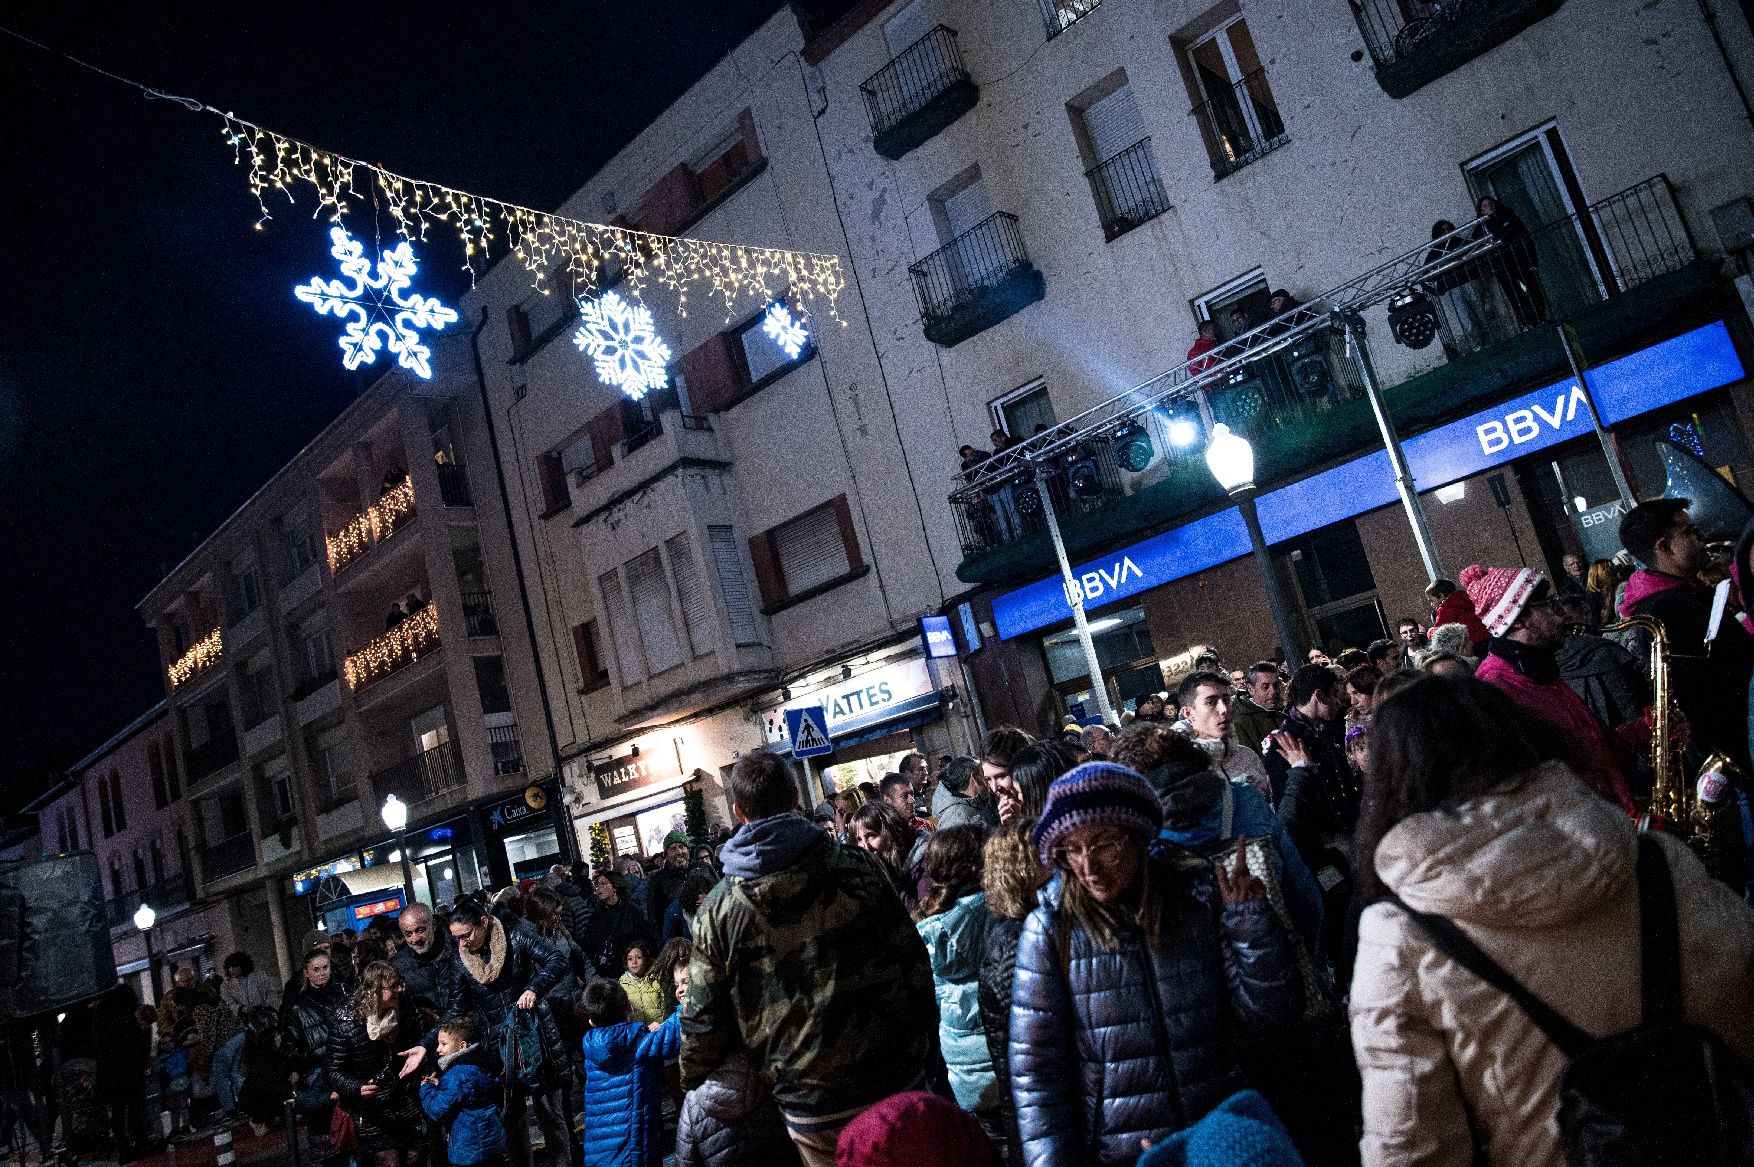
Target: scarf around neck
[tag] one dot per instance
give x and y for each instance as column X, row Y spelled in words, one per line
column 487, row 971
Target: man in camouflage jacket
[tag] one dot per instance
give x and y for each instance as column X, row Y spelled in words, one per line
column 804, row 956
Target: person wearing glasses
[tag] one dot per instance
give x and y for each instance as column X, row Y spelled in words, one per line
column 1135, row 976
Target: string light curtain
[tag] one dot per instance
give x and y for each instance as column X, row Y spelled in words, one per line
column 203, row 654
column 401, row 645
column 371, row 526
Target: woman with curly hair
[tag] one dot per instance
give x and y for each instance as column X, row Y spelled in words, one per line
column 370, row 1038
column 953, row 923
column 881, row 830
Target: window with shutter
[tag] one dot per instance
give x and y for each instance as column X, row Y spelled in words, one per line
column 733, row 585
column 810, row 550
column 649, row 590
column 967, row 209
column 1113, row 123
column 103, row 805
column 621, row 631
column 697, row 611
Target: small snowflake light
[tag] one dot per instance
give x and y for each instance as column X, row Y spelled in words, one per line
column 785, row 330
column 623, row 344
column 383, row 310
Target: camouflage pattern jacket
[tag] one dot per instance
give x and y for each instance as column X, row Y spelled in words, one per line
column 804, row 956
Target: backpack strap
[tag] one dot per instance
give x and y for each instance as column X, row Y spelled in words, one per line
column 1659, row 935
column 1450, row 940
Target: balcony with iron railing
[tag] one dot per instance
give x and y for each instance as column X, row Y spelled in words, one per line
column 924, row 89
column 507, row 749
column 1414, row 42
column 393, row 511
column 427, row 775
column 170, row 892
column 407, row 642
column 478, row 613
column 1474, row 319
column 1127, row 189
column 976, row 280
column 228, row 857
column 1240, row 124
column 1059, row 15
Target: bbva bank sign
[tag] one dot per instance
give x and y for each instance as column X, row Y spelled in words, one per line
column 1105, row 580
column 1527, row 424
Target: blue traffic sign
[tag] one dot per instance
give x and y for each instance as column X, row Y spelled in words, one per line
column 807, row 726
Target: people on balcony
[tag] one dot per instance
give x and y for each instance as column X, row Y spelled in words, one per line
column 1515, row 263
column 1464, row 318
column 1198, row 361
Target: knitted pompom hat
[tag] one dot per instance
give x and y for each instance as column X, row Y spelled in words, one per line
column 1096, row 794
column 1499, row 594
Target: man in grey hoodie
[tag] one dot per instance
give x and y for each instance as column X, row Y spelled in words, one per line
column 962, row 798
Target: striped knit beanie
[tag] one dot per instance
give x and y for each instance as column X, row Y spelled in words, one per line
column 1095, row 794
column 1499, row 594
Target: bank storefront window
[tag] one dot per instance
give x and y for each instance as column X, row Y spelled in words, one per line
column 1123, row 650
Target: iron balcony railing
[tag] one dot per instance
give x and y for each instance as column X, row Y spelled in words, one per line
column 1241, row 123
column 425, row 775
column 969, row 266
column 228, row 857
column 211, row 756
column 1059, row 15
column 453, row 483
column 478, row 613
column 1395, row 30
column 920, row 73
column 642, row 436
column 508, row 751
column 1127, row 189
column 1459, row 293
column 170, row 892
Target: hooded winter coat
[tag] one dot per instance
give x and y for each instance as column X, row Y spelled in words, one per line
column 624, row 1090
column 304, row 1029
column 513, row 959
column 1108, row 1048
column 955, row 940
column 1609, row 679
column 575, row 906
column 730, row 1120
column 804, row 957
column 465, row 1101
column 955, row 810
column 1541, row 874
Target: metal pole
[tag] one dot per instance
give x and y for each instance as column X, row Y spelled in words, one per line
column 1075, row 598
column 1354, row 325
column 151, row 965
column 1610, row 451
column 407, row 869
column 1288, row 639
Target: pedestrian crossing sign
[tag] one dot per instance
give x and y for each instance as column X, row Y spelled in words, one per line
column 807, row 726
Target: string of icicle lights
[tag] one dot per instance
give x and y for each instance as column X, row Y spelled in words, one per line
column 548, row 245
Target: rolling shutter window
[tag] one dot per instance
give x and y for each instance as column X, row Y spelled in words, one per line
column 967, row 208
column 620, row 628
column 810, row 550
column 1113, row 124
column 649, row 589
column 733, row 585
column 697, row 613
column 906, row 27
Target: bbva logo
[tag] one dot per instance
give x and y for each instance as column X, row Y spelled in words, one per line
column 1088, row 587
column 1524, row 425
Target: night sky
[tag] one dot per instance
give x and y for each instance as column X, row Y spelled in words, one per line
column 154, row 367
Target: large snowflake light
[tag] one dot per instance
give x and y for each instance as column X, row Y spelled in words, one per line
column 382, row 309
column 623, row 344
column 785, row 330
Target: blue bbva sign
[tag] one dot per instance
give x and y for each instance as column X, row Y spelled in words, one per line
column 1660, row 375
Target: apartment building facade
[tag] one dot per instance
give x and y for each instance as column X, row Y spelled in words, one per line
column 355, row 631
column 1044, row 201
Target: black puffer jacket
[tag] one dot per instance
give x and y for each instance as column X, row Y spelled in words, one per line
column 612, row 929
column 433, row 983
column 576, row 907
column 998, row 966
column 391, row 1118
column 304, row 1029
column 513, row 960
column 1108, row 1048
column 731, row 1120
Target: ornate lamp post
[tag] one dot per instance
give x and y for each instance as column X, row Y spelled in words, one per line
column 1232, row 462
column 395, row 815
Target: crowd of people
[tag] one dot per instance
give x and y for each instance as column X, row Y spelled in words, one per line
column 1379, row 909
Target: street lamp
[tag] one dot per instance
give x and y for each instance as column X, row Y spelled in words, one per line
column 1232, row 462
column 395, row 815
column 144, row 919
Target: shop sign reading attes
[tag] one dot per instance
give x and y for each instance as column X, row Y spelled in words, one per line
column 871, row 698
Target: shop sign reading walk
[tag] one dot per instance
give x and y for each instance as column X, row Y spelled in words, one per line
column 1664, row 373
column 634, row 771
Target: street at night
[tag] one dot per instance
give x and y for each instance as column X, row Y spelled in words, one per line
column 1033, row 583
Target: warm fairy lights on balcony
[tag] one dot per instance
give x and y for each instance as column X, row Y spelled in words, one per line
column 202, row 654
column 399, row 646
column 371, row 526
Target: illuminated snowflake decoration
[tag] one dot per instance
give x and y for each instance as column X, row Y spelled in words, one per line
column 623, row 344
column 784, row 330
column 379, row 309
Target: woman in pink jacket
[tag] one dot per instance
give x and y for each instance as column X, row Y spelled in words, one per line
column 1465, row 817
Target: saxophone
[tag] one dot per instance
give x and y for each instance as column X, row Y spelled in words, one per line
column 1676, row 804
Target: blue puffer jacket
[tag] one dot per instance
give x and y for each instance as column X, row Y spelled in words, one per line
column 465, row 1100
column 1136, row 1043
column 955, row 939
column 624, row 1087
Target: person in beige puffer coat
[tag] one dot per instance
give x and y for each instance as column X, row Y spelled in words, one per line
column 1467, row 820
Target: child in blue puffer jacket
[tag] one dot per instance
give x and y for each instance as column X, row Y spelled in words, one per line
column 465, row 1099
column 624, row 1079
